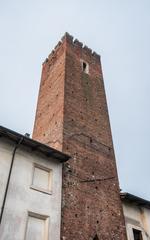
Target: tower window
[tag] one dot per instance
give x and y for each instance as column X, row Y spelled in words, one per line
column 137, row 234
column 85, row 67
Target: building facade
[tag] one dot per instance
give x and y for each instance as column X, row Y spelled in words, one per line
column 30, row 200
column 137, row 217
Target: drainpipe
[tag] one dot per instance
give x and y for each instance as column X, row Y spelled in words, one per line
column 9, row 176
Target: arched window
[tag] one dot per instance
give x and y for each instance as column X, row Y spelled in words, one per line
column 85, row 66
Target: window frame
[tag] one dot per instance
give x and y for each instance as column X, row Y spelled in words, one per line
column 138, row 230
column 50, row 178
column 39, row 216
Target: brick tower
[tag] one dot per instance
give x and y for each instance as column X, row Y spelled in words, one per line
column 72, row 116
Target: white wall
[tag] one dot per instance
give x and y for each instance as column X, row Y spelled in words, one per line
column 138, row 218
column 30, row 214
column 6, row 150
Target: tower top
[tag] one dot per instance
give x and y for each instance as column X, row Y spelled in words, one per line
column 75, row 43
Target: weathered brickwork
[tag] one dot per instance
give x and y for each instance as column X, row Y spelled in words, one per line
column 72, row 116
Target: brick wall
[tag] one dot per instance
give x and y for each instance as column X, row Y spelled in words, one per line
column 72, row 116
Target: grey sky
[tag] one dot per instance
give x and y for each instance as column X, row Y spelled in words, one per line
column 119, row 30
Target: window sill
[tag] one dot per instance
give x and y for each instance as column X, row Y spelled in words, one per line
column 40, row 190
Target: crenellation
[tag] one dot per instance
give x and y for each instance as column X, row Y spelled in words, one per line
column 87, row 50
column 58, row 45
column 68, row 37
column 45, row 61
column 75, row 43
column 78, row 43
column 97, row 56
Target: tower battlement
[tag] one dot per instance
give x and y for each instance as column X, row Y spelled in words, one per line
column 76, row 44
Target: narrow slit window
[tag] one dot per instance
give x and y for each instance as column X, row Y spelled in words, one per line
column 137, row 234
column 85, row 67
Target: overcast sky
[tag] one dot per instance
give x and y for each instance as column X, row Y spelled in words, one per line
column 119, row 30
